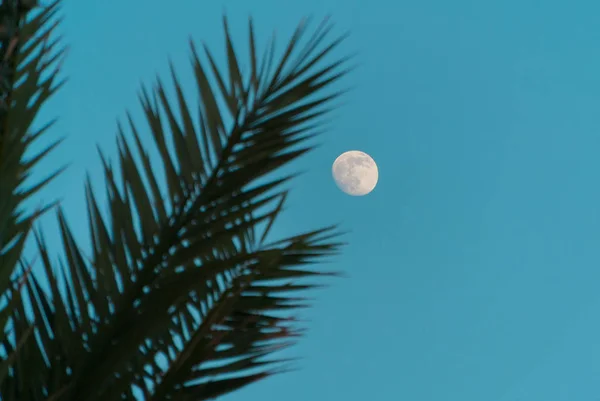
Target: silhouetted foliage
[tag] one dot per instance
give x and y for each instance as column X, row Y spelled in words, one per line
column 189, row 300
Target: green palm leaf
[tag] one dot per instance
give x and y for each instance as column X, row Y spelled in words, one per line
column 188, row 300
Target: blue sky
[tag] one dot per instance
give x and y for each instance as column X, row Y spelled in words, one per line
column 474, row 265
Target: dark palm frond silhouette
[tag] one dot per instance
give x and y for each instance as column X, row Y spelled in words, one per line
column 29, row 61
column 184, row 295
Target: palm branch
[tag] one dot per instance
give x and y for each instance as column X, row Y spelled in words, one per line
column 184, row 295
column 29, row 63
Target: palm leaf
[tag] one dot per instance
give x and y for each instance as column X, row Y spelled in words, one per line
column 188, row 300
column 29, row 64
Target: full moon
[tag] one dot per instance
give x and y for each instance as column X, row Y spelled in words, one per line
column 355, row 173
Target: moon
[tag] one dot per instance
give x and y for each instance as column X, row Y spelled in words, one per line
column 355, row 173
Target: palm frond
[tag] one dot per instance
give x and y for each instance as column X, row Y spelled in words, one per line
column 28, row 70
column 187, row 300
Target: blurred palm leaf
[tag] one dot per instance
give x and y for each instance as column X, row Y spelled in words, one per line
column 182, row 297
column 28, row 71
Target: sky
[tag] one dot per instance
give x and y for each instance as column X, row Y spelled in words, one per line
column 473, row 268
